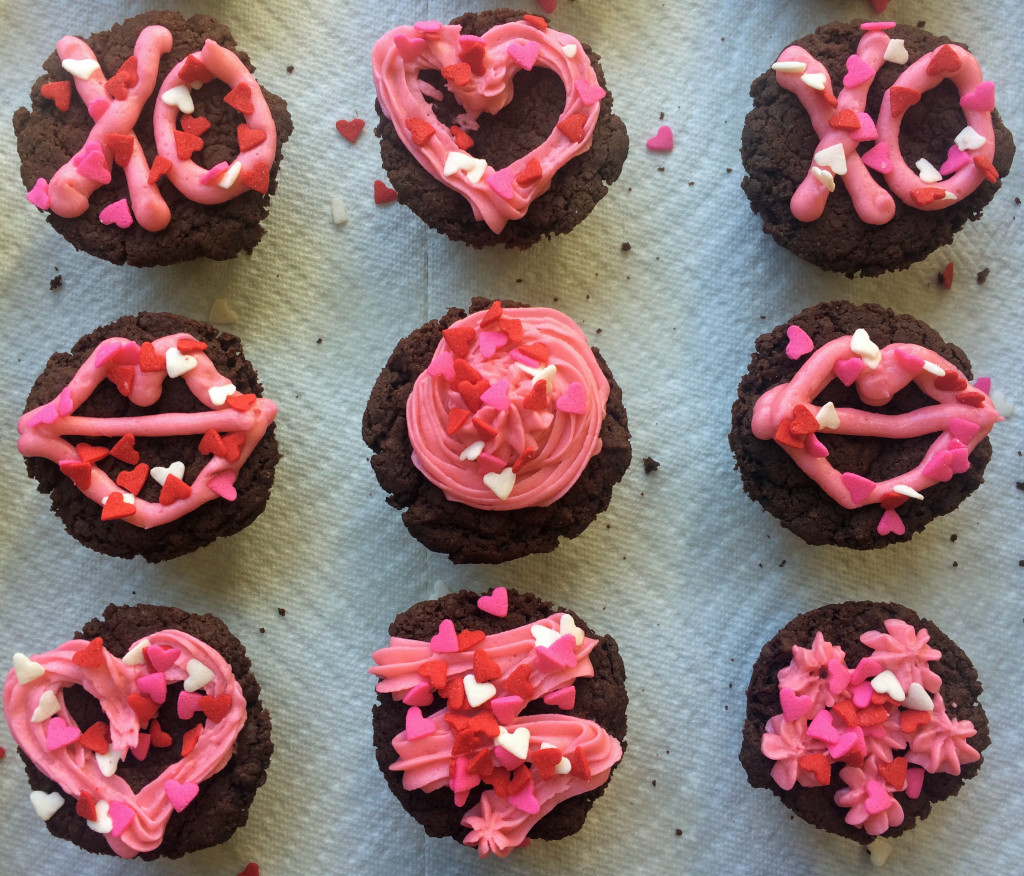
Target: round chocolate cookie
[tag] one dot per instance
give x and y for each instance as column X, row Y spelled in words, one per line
column 501, row 139
column 225, row 126
column 468, row 534
column 772, row 475
column 904, row 754
column 221, row 803
column 223, row 492
column 780, row 141
column 558, row 700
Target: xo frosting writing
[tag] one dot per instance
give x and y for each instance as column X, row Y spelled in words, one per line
column 509, row 411
column 861, row 717
column 84, row 761
column 115, row 104
column 479, row 71
column 842, row 125
column 962, row 416
column 230, row 430
column 530, row 763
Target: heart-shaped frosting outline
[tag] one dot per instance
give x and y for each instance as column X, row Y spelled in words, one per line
column 496, row 196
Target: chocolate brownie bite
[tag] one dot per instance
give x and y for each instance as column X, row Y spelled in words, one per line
column 525, row 699
column 869, row 147
column 855, row 426
column 495, row 129
column 862, row 715
column 151, row 436
column 152, row 739
column 497, row 432
column 166, row 151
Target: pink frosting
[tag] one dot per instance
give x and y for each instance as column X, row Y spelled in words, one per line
column 496, row 195
column 961, row 417
column 564, row 431
column 904, row 651
column 803, row 675
column 77, row 770
column 69, row 189
column 786, row 742
column 42, row 429
column 941, row 745
column 871, row 804
column 874, row 205
column 499, row 824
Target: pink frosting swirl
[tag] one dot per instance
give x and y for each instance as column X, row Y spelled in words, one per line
column 904, row 651
column 519, row 432
column 804, row 674
column 941, row 745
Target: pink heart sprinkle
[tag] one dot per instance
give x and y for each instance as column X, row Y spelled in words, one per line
column 97, row 108
column 442, row 365
column 878, row 798
column 522, row 357
column 983, row 98
column 496, row 395
column 939, row 467
column 564, row 698
column 858, row 72
column 561, row 654
column 446, row 641
column 488, row 462
column 821, row 728
column 908, row 361
column 491, row 342
column 962, row 430
column 428, row 26
column 984, row 384
column 506, row 709
column 955, row 159
column 120, row 815
column 65, row 403
column 409, row 48
column 862, row 694
column 496, row 603
column 815, row 449
column 507, row 759
column 838, row 677
column 214, row 173
column 915, row 780
column 793, row 706
column 161, row 658
column 153, row 686
column 224, row 486
column 46, row 414
column 589, row 94
column 117, row 214
column 463, row 780
column 800, row 343
column 891, row 522
column 180, row 794
column 662, row 141
column 842, row 745
column 93, row 166
column 866, row 131
column 572, row 401
column 524, row 801
column 105, row 352
column 524, row 54
column 501, row 182
column 867, row 668
column 416, row 726
column 858, row 487
column 187, row 704
column 877, row 158
column 59, row 733
column 958, row 460
column 420, row 695
column 40, row 194
column 848, row 369
column 142, row 749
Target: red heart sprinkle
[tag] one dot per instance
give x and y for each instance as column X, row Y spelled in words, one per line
column 456, row 420
column 513, row 328
column 529, row 174
column 974, row 399
column 945, row 60
column 519, row 781
column 471, row 392
column 481, row 764
column 89, row 453
column 784, row 435
column 79, row 472
column 572, row 127
column 251, row 869
column 518, row 682
column 537, row 400
column 127, row 77
column 382, row 194
column 215, row 708
column 186, row 143
column 464, row 371
column 458, row 74
column 484, row 668
column 579, row 766
column 349, row 129
column 249, row 138
column 158, row 169
column 894, row 773
column 911, row 720
column 421, row 131
column 947, row 276
column 537, row 21
column 189, row 740
column 493, row 314
column 536, row 351
column 901, row 99
column 524, row 458
column 240, row 98
column 257, row 177
column 158, row 737
column 498, row 779
column 435, row 671
column 459, row 338
column 462, row 139
column 847, row 711
column 116, row 508
column 211, row 444
column 122, row 146
column 123, row 377
column 133, row 480
column 483, row 723
column 233, row 442
column 197, row 125
column 891, row 501
column 950, row 381
column 923, row 197
column 545, row 760
column 145, row 709
column 86, row 806
column 91, row 656
column 241, row 401
column 125, row 450
column 819, row 764
column 473, row 54
column 455, row 692
column 872, row 716
column 194, row 70
column 59, row 93
column 986, row 166
column 470, row 638
column 485, row 429
column 804, row 422
column 174, row 489
column 844, row 120
column 190, row 345
column 882, row 699
column 97, row 738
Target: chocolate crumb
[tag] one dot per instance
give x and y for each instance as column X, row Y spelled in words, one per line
column 783, row 563
column 281, row 612
column 290, row 68
column 728, row 170
column 983, row 276
column 661, row 117
column 679, row 831
column 263, row 629
column 650, row 464
column 661, row 170
column 56, row 283
column 654, row 783
column 625, row 247
column 955, row 564
column 953, row 537
column 319, row 340
column 1020, row 485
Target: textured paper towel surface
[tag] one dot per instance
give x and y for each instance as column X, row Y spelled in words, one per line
column 687, row 574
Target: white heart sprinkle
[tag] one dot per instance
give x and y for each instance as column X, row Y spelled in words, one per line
column 546, row 373
column 862, row 345
column 834, row 158
column 219, row 394
column 827, row 416
column 887, row 683
column 567, row 626
column 477, row 692
column 932, row 368
column 473, row 451
column 46, row 805
column 26, row 670
column 896, row 52
column 927, row 171
column 180, row 97
column 199, row 675
column 918, row 699
column 46, row 708
column 543, row 636
column 135, row 657
column 825, row 178
column 127, row 498
column 108, row 762
column 1001, row 403
column 102, row 824
column 338, row 212
column 949, row 196
column 909, row 492
column 222, row 313
column 80, row 68
column 969, row 139
column 227, row 179
column 177, row 364
column 516, row 744
column 501, row 483
column 789, row 66
column 880, row 848
column 570, row 50
column 160, row 472
column 474, row 167
column 814, row 80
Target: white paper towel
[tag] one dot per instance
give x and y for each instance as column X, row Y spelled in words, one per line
column 687, row 574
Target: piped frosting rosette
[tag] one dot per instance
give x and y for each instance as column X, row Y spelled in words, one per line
column 509, row 411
